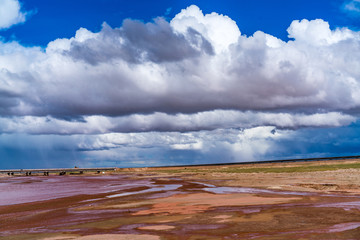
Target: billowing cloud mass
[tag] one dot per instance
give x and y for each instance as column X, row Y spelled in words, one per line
column 184, row 66
column 195, row 75
column 162, row 122
column 10, row 13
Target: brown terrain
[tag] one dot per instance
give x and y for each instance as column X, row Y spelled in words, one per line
column 304, row 200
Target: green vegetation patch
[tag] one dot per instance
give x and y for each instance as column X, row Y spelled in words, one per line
column 311, row 168
column 277, row 169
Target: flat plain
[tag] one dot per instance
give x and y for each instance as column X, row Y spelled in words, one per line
column 299, row 200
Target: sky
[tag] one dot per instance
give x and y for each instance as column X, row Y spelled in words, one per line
column 152, row 83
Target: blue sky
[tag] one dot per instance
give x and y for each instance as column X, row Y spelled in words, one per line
column 144, row 83
column 272, row 17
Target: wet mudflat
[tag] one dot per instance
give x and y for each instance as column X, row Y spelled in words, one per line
column 176, row 206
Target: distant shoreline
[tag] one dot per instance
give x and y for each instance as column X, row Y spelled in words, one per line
column 5, row 171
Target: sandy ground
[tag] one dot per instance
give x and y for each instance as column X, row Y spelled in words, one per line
column 148, row 204
column 344, row 180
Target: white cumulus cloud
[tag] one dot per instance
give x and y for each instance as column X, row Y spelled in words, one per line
column 10, row 13
column 317, row 32
column 196, row 72
column 220, row 30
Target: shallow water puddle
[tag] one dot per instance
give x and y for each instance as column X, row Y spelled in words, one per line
column 40, row 188
column 205, row 184
column 169, row 187
column 343, row 227
column 227, row 190
column 344, row 205
column 169, row 206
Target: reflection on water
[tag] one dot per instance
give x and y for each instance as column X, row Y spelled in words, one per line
column 205, row 184
column 39, row 188
column 343, row 227
column 169, row 187
column 227, row 190
column 344, row 205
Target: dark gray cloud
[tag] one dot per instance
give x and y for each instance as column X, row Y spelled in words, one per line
column 8, row 100
column 138, row 42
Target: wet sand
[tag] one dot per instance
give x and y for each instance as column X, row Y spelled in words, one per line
column 182, row 205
